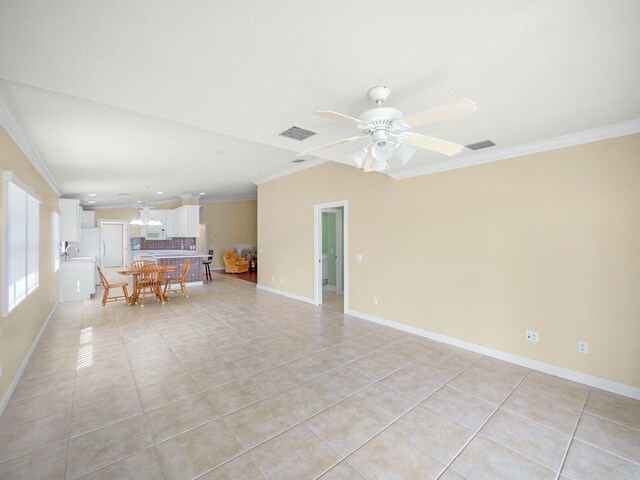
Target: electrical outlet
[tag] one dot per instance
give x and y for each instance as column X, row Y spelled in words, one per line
column 359, row 257
column 0, row 369
column 375, row 301
column 531, row 336
column 273, row 279
column 583, row 346
column 281, row 280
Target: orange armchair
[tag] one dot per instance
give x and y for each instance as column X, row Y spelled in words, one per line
column 234, row 263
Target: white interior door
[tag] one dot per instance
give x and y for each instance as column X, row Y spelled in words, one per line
column 113, row 245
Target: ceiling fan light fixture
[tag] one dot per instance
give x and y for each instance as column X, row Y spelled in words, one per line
column 379, row 165
column 358, row 156
column 136, row 221
column 382, row 151
column 404, row 152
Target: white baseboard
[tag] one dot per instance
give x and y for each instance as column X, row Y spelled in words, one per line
column 286, row 294
column 7, row 395
column 561, row 372
column 218, row 269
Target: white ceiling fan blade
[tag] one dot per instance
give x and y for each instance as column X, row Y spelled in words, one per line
column 368, row 162
column 442, row 112
column 332, row 144
column 431, row 143
column 341, row 117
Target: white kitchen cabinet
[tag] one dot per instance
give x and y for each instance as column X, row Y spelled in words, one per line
column 70, row 219
column 185, row 221
column 88, row 219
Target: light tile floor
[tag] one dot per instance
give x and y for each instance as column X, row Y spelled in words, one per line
column 237, row 383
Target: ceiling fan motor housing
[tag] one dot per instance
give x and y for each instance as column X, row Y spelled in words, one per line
column 379, row 94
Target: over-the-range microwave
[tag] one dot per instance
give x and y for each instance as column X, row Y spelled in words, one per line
column 155, row 233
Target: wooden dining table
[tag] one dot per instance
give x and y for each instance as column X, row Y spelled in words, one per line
column 135, row 272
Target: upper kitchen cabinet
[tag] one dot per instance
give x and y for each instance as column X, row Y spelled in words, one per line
column 70, row 219
column 88, row 219
column 184, row 221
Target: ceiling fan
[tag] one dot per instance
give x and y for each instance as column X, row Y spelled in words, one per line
column 144, row 217
column 390, row 134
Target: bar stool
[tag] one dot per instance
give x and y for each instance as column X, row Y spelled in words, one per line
column 207, row 265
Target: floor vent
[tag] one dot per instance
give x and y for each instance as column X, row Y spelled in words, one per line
column 481, row 145
column 297, row 133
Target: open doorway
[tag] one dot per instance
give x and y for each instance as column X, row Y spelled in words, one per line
column 330, row 251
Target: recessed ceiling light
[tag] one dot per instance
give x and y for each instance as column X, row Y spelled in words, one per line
column 91, row 201
column 219, row 152
column 202, row 193
column 159, row 193
column 92, row 194
column 138, row 201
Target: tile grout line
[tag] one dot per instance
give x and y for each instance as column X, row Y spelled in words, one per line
column 221, row 417
column 373, row 382
column 481, row 426
column 403, row 414
column 153, row 446
column 571, row 438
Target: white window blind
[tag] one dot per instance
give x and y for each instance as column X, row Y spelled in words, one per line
column 21, row 242
column 55, row 234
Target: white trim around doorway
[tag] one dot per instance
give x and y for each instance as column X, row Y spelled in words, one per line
column 317, row 249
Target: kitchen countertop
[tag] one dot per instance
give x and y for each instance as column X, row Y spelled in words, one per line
column 185, row 255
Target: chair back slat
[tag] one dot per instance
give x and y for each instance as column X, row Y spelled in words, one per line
column 185, row 269
column 103, row 279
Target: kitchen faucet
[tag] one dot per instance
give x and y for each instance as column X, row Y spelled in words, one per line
column 66, row 251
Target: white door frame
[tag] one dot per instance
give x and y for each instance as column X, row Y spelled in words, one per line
column 317, row 248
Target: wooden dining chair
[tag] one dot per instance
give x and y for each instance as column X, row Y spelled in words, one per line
column 106, row 286
column 140, row 263
column 150, row 280
column 182, row 279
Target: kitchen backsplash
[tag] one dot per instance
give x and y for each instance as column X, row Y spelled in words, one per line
column 184, row 243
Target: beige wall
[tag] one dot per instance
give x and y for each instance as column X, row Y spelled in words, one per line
column 228, row 224
column 19, row 329
column 549, row 242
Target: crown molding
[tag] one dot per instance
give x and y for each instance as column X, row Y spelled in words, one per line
column 586, row 136
column 131, row 205
column 295, row 169
column 13, row 127
column 239, row 198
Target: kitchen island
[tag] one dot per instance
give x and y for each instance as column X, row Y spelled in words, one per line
column 196, row 271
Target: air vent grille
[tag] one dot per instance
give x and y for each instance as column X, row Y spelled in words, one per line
column 298, row 160
column 297, row 133
column 481, row 145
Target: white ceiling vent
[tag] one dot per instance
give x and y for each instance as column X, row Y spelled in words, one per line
column 298, row 160
column 297, row 133
column 481, row 145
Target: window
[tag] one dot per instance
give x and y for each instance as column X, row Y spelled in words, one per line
column 21, row 241
column 55, row 238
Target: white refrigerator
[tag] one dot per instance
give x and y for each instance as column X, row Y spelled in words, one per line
column 89, row 246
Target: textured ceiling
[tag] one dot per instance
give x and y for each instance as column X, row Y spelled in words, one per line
column 119, row 96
